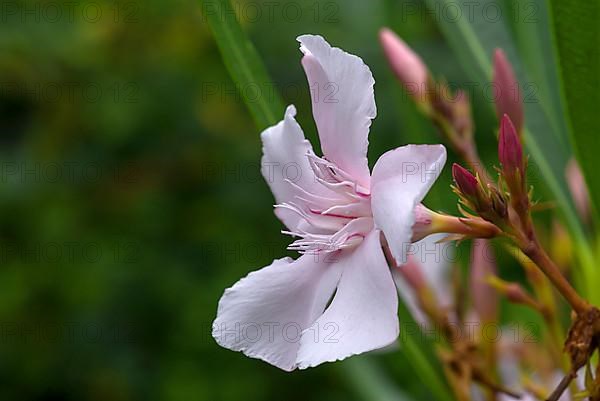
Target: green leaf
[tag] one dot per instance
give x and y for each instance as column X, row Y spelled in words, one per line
column 243, row 63
column 531, row 28
column 577, row 39
column 370, row 381
column 418, row 349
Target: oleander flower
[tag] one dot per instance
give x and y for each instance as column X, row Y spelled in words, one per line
column 338, row 298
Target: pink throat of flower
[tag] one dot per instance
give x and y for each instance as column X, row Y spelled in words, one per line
column 335, row 217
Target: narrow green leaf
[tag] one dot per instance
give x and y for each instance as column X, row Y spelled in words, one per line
column 577, row 39
column 530, row 23
column 370, row 381
column 418, row 349
column 243, row 63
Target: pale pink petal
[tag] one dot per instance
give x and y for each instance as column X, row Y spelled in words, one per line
column 285, row 166
column 343, row 104
column 436, row 258
column 407, row 293
column 363, row 313
column 263, row 315
column 483, row 266
column 401, row 179
column 433, row 259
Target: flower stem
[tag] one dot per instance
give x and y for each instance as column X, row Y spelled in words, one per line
column 469, row 227
column 532, row 248
column 463, row 145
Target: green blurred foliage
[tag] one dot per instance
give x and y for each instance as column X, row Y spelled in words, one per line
column 131, row 194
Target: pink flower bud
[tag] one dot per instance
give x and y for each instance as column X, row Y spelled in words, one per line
column 483, row 266
column 510, row 150
column 408, row 67
column 465, row 181
column 462, row 120
column 506, row 90
column 579, row 189
column 516, row 294
column 412, row 272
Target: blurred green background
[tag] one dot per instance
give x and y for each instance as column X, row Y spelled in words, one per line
column 131, row 195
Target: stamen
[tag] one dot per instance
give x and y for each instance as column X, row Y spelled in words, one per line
column 337, row 220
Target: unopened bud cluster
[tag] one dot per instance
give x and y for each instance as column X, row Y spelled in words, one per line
column 483, row 199
column 493, row 202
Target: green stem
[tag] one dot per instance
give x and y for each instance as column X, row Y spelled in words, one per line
column 532, row 248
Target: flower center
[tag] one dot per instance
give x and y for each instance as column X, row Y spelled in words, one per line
column 337, row 217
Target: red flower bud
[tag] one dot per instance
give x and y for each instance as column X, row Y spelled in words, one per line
column 510, row 150
column 465, row 181
column 506, row 91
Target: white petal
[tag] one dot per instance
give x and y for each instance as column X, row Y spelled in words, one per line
column 401, row 179
column 409, row 298
column 264, row 314
column 434, row 259
column 363, row 313
column 343, row 103
column 285, row 165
